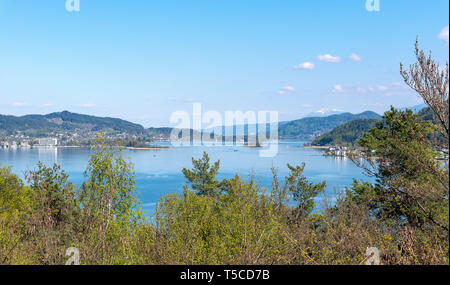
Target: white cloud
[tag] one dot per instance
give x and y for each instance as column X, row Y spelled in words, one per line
column 338, row 89
column 322, row 111
column 329, row 58
column 382, row 87
column 443, row 35
column 20, row 104
column 355, row 57
column 327, row 111
column 305, row 65
column 88, row 105
column 47, row 105
column 289, row 88
column 285, row 90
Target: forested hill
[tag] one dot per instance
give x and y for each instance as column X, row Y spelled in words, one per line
column 345, row 134
column 426, row 114
column 348, row 133
column 71, row 122
column 65, row 121
column 319, row 125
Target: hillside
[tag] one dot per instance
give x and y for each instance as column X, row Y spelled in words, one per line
column 426, row 114
column 65, row 121
column 318, row 125
column 345, row 134
column 349, row 132
column 42, row 125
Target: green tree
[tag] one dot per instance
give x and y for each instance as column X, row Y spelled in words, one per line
column 111, row 210
column 410, row 184
column 363, row 193
column 238, row 228
column 14, row 196
column 303, row 192
column 52, row 191
column 203, row 176
column 110, row 189
column 54, row 216
column 15, row 207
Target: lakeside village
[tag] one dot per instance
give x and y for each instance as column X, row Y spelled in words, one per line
column 81, row 139
column 20, row 140
column 357, row 151
column 146, row 141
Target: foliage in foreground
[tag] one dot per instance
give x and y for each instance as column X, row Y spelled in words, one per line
column 404, row 214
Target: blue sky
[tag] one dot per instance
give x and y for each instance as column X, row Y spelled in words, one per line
column 142, row 60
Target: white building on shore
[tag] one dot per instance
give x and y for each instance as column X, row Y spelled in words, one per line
column 4, row 145
column 24, row 144
column 48, row 142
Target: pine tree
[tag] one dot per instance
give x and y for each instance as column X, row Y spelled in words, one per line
column 203, row 176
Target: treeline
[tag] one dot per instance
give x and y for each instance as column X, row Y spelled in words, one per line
column 65, row 121
column 349, row 133
column 404, row 214
column 345, row 134
column 318, row 125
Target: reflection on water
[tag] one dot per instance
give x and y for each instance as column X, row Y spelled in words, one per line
column 48, row 152
column 158, row 172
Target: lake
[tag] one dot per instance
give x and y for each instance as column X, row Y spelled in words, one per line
column 158, row 172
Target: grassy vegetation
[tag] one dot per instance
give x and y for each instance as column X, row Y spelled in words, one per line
column 404, row 214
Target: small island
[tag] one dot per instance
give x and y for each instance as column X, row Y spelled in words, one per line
column 257, row 145
column 147, row 147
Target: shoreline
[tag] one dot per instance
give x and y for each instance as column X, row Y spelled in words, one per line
column 147, row 148
column 316, row 147
column 87, row 146
column 252, row 146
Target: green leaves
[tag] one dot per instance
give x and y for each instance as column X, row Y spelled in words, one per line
column 14, row 196
column 52, row 190
column 239, row 227
column 203, row 176
column 411, row 185
column 303, row 191
column 110, row 189
column 15, row 207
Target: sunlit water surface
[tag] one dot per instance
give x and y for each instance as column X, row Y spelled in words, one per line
column 158, row 172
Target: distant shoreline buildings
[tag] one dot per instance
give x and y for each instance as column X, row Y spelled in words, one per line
column 13, row 144
column 47, row 142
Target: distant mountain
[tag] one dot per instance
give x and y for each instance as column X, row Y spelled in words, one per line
column 348, row 133
column 65, row 121
column 42, row 125
column 426, row 114
column 159, row 133
column 302, row 128
column 314, row 126
column 238, row 129
column 345, row 134
column 416, row 108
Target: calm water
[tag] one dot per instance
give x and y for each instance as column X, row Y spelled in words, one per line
column 159, row 172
